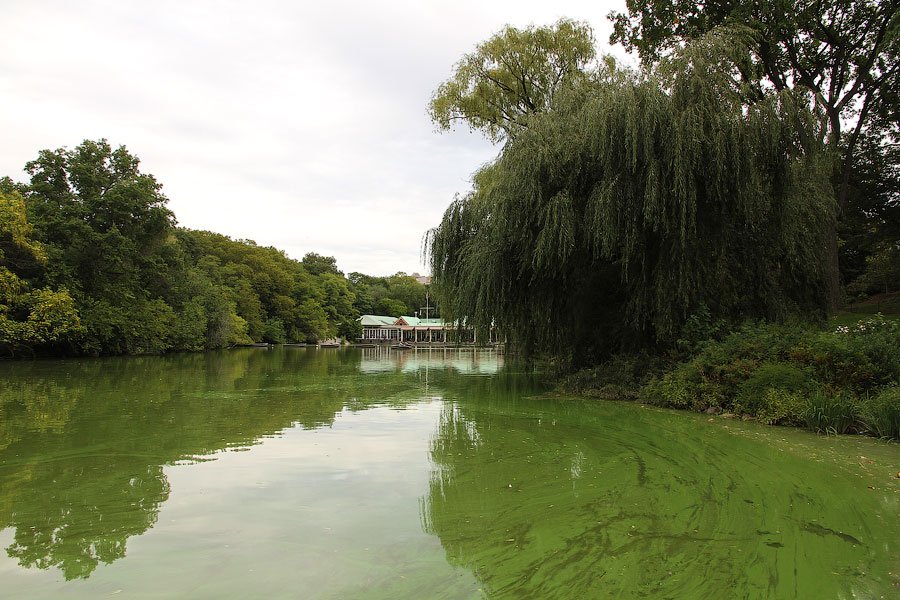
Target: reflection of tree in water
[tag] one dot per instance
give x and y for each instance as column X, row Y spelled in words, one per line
column 77, row 514
column 41, row 406
column 543, row 499
column 83, row 443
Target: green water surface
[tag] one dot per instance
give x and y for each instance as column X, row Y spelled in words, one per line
column 369, row 473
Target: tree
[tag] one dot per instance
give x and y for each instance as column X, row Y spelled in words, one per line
column 409, row 291
column 28, row 317
column 633, row 203
column 317, row 264
column 843, row 54
column 109, row 239
column 871, row 218
column 391, row 307
column 99, row 214
column 514, row 74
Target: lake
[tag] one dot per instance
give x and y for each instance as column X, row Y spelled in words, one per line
column 371, row 473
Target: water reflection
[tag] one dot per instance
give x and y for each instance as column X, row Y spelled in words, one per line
column 83, row 443
column 467, row 361
column 543, row 499
column 414, row 474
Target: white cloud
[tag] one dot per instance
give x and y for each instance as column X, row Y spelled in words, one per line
column 299, row 125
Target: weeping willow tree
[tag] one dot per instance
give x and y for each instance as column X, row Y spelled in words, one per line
column 636, row 201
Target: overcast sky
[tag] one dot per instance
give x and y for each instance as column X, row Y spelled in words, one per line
column 300, row 125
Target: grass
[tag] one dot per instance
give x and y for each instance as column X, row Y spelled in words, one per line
column 886, row 304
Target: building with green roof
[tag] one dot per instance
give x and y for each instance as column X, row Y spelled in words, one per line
column 414, row 331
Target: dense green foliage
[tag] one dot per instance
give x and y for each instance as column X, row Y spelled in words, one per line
column 830, row 380
column 635, row 202
column 27, row 315
column 91, row 262
column 633, row 219
column 835, row 380
column 394, row 296
column 844, row 57
column 514, row 74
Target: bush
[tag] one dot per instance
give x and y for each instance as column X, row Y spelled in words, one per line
column 699, row 329
column 678, row 388
column 783, row 407
column 831, row 412
column 783, row 377
column 862, row 356
column 783, row 374
column 619, row 378
column 880, row 413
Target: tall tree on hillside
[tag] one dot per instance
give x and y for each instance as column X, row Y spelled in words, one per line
column 512, row 75
column 317, row 264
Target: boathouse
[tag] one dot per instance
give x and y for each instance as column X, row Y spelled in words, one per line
column 378, row 328
column 413, row 330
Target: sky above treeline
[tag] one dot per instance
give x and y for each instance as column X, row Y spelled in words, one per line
column 300, row 125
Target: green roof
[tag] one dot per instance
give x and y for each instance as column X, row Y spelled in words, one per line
column 376, row 320
column 417, row 322
column 385, row 321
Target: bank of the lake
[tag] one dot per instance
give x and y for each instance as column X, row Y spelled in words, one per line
column 844, row 378
column 368, row 473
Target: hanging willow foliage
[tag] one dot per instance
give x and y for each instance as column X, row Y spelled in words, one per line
column 636, row 201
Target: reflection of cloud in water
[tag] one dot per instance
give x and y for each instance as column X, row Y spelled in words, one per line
column 467, row 361
column 85, row 445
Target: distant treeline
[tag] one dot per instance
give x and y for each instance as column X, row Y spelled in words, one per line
column 92, row 262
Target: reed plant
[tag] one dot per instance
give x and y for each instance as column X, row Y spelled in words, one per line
column 879, row 413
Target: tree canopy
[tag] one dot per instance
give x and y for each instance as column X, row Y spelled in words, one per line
column 636, row 201
column 843, row 52
column 28, row 317
column 92, row 262
column 842, row 55
column 512, row 75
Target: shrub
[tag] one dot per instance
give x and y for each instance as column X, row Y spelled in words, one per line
column 677, row 388
column 831, row 412
column 783, row 407
column 863, row 355
column 699, row 329
column 750, row 396
column 880, row 413
column 619, row 378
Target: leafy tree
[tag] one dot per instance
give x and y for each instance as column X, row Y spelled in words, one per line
column 844, row 55
column 882, row 272
column 93, row 223
column 391, row 307
column 102, row 219
column 843, row 52
column 385, row 295
column 316, row 264
column 108, row 236
column 28, row 317
column 514, row 74
column 871, row 220
column 350, row 329
column 409, row 291
column 634, row 202
column 364, row 299
column 279, row 298
column 338, row 305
